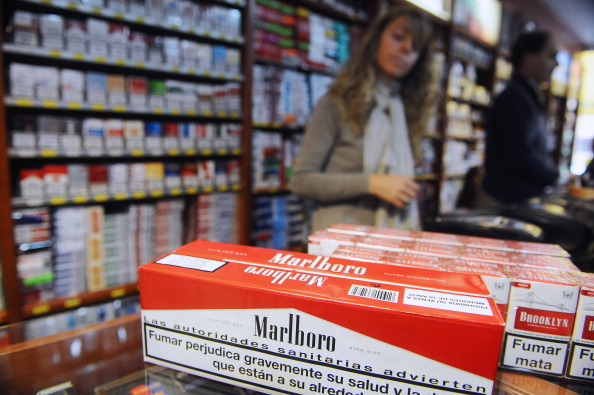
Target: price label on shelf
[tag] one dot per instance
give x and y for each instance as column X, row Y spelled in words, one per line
column 24, row 102
column 72, row 302
column 80, row 199
column 100, row 198
column 41, row 309
column 117, row 293
column 58, row 200
column 49, row 103
column 48, row 153
column 139, row 195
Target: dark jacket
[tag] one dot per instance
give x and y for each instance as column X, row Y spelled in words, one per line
column 517, row 164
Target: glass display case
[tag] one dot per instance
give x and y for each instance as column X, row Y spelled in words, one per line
column 106, row 359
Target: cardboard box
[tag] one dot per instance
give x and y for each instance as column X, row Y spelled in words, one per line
column 581, row 356
column 279, row 322
column 485, row 243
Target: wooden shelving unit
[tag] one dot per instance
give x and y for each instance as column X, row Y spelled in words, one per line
column 434, row 177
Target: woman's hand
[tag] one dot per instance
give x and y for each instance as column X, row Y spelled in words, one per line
column 394, row 189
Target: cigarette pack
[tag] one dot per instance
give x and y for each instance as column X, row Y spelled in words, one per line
column 541, row 312
column 55, row 178
column 51, row 27
column 285, row 322
column 75, row 36
column 32, row 186
column 581, row 356
column 95, row 254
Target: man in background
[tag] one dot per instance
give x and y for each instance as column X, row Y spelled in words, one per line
column 518, row 166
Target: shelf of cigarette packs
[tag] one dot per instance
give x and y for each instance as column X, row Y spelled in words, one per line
column 556, row 105
column 171, row 75
column 470, row 78
column 278, row 217
column 164, row 102
column 38, row 327
column 571, row 110
column 71, row 256
column 279, row 222
column 216, row 19
column 305, row 35
column 191, row 158
column 298, row 47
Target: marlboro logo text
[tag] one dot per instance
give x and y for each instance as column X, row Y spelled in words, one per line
column 280, row 276
column 319, row 262
column 291, row 333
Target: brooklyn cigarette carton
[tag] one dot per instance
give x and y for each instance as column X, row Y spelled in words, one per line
column 541, row 312
column 581, row 356
column 232, row 314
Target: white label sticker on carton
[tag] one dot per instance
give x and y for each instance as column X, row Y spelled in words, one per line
column 286, row 351
column 524, row 352
column 190, row 262
column 443, row 301
column 582, row 362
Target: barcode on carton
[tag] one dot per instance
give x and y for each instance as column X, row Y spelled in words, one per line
column 374, row 293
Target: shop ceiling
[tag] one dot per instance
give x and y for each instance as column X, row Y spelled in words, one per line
column 576, row 16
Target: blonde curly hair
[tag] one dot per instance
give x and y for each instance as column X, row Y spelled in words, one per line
column 352, row 89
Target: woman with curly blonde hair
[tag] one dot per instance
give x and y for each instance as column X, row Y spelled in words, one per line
column 358, row 154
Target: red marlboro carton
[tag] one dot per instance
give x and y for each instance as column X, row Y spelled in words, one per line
column 581, row 356
column 496, row 277
column 541, row 312
column 283, row 322
column 417, row 254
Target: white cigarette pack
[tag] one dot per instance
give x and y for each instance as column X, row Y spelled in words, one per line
column 541, row 312
column 581, row 356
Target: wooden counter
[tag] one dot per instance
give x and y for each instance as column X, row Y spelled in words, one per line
column 105, row 352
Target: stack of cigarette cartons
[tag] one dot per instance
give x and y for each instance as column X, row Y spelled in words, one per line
column 285, row 322
column 581, row 356
column 541, row 313
column 535, row 285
